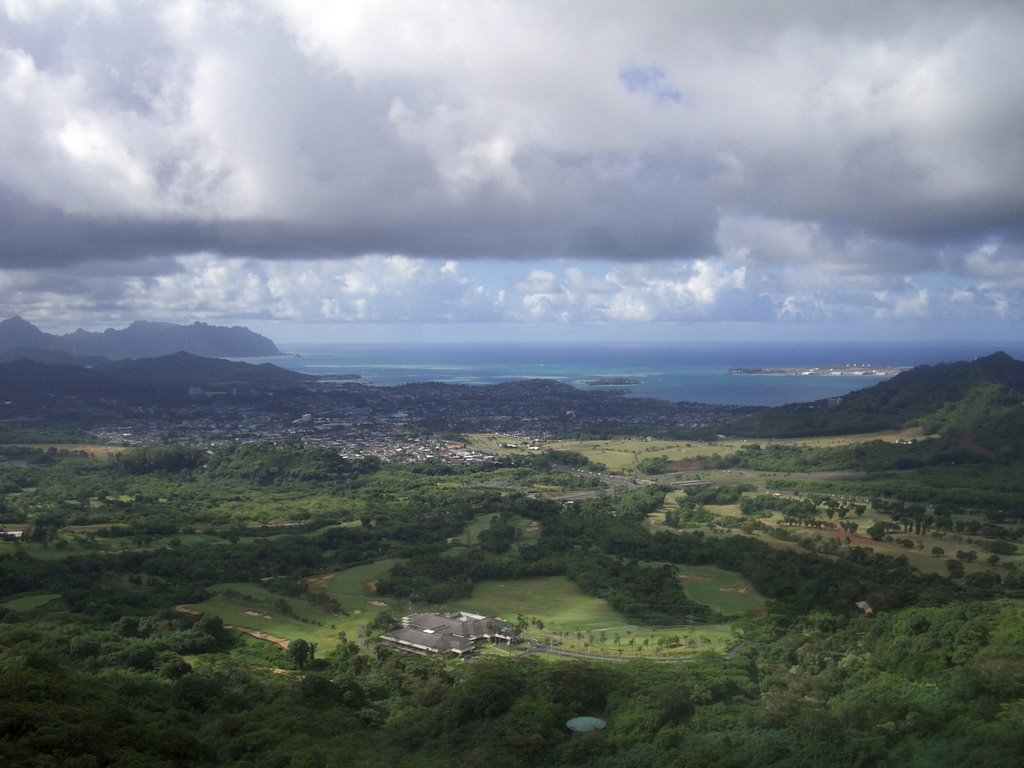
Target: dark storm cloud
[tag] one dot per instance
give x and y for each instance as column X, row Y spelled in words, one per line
column 248, row 131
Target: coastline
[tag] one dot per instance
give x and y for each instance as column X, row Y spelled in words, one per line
column 882, row 372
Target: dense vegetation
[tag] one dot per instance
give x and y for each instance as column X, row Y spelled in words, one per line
column 859, row 658
column 938, row 397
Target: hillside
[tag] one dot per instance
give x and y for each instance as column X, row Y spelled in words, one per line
column 139, row 340
column 135, row 380
column 937, row 398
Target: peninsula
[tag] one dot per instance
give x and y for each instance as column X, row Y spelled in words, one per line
column 855, row 369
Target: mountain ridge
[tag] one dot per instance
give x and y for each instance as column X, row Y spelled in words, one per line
column 141, row 339
column 915, row 397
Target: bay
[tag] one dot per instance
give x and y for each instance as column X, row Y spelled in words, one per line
column 691, row 372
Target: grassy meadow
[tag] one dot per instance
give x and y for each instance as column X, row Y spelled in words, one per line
column 29, row 602
column 623, row 456
column 573, row 621
column 725, row 592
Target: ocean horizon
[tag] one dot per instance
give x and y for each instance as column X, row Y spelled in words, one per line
column 693, row 372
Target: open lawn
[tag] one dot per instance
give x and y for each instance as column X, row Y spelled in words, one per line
column 355, row 584
column 625, row 454
column 475, row 527
column 578, row 623
column 251, row 608
column 725, row 592
column 527, row 530
column 254, row 617
column 26, row 603
column 555, row 599
column 572, row 620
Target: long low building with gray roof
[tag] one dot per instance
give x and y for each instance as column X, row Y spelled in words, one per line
column 457, row 633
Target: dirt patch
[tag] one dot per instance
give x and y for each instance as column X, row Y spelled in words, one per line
column 684, row 465
column 735, row 590
column 320, row 582
column 371, row 585
column 279, row 642
column 693, row 577
column 532, row 527
column 188, row 610
column 377, row 603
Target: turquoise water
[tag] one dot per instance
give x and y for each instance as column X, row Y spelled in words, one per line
column 691, row 372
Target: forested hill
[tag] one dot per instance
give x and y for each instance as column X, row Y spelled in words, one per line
column 962, row 396
column 140, row 339
column 135, row 380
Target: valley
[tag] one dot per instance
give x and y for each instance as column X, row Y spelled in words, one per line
column 687, row 590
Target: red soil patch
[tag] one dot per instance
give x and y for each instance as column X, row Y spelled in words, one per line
column 371, row 585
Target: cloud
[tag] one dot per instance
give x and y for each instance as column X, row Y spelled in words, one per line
column 398, row 289
column 694, row 160
column 638, row 293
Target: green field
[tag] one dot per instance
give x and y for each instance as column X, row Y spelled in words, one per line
column 623, row 455
column 554, row 599
column 725, row 592
column 353, row 588
column 249, row 607
column 475, row 527
column 26, row 603
column 526, row 529
column 570, row 618
column 577, row 623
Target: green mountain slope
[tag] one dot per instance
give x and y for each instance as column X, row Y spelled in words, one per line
column 940, row 398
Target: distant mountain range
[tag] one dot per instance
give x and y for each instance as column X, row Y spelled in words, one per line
column 142, row 339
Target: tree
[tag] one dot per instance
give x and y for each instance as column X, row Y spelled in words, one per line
column 301, row 652
column 938, row 551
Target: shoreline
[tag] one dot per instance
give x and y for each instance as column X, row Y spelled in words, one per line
column 832, row 370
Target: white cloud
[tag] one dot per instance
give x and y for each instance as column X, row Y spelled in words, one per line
column 633, row 293
column 902, row 307
column 370, row 161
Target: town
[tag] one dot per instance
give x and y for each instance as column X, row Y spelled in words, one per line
column 415, row 422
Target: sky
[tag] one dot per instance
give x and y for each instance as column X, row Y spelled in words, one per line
column 578, row 170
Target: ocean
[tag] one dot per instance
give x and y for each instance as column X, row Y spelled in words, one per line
column 691, row 372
